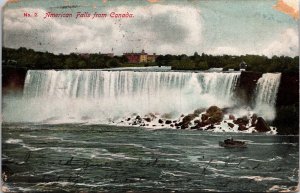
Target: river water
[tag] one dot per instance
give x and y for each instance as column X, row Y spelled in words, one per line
column 101, row 158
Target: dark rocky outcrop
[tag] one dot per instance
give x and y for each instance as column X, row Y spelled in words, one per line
column 288, row 91
column 148, row 119
column 246, row 86
column 138, row 120
column 168, row 122
column 197, row 121
column 13, row 79
column 261, row 125
column 188, row 118
column 210, row 127
column 231, row 125
column 204, row 123
column 242, row 127
column 204, row 117
column 231, row 117
column 215, row 114
column 242, row 121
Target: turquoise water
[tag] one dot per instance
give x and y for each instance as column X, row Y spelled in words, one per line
column 101, row 158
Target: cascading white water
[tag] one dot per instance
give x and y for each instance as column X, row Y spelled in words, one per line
column 267, row 88
column 116, row 84
column 102, row 95
column 266, row 94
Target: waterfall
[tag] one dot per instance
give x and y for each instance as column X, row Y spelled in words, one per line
column 117, row 84
column 266, row 94
column 101, row 94
column 267, row 88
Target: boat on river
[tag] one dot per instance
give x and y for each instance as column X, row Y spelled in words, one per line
column 232, row 143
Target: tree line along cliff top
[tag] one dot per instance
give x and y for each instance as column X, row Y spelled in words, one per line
column 30, row 59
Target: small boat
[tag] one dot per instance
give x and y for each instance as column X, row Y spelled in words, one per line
column 232, row 143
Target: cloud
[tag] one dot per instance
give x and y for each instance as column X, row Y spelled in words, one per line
column 161, row 29
column 155, row 28
column 285, row 44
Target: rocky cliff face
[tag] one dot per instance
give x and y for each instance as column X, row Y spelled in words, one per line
column 246, row 86
column 13, row 79
column 287, row 102
column 288, row 93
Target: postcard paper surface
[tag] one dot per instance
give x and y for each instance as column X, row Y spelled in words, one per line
column 150, row 96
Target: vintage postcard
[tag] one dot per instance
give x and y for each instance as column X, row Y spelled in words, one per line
column 150, row 96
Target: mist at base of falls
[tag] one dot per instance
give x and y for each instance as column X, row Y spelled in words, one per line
column 75, row 96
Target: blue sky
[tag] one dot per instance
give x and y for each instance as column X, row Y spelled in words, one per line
column 216, row 27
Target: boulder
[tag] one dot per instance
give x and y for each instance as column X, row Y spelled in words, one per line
column 243, row 120
column 204, row 117
column 216, row 117
column 178, row 124
column 242, row 127
column 203, row 123
column 231, row 117
column 198, row 127
column 231, row 125
column 197, row 121
column 184, row 126
column 215, row 114
column 211, row 110
column 187, row 119
column 168, row 121
column 137, row 120
column 210, row 127
column 150, row 116
column 261, row 125
column 194, row 127
column 148, row 119
column 160, row 121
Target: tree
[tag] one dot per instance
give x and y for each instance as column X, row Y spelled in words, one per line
column 112, row 63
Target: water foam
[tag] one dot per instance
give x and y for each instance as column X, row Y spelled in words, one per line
column 98, row 96
column 266, row 94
